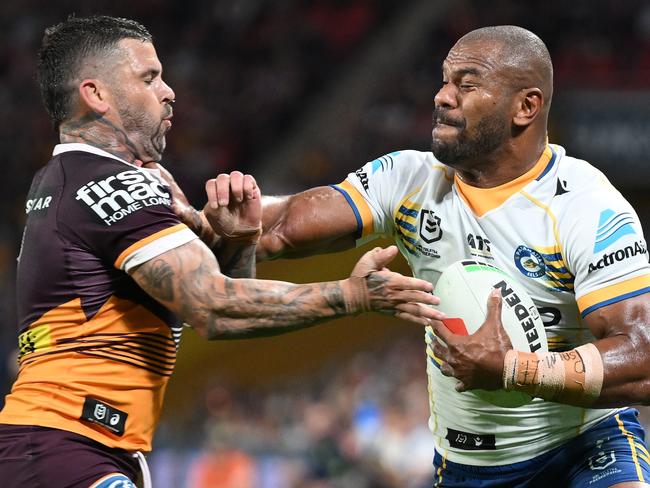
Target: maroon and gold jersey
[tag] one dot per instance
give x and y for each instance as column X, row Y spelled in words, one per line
column 96, row 351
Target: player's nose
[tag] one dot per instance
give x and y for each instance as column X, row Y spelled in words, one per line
column 446, row 96
column 168, row 94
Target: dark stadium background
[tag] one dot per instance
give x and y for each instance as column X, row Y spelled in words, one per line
column 300, row 93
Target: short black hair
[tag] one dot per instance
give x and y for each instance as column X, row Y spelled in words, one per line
column 65, row 48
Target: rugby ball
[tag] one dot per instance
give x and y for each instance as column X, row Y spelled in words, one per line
column 464, row 288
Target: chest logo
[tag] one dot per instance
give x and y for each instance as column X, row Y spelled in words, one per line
column 117, row 196
column 430, row 230
column 479, row 246
column 529, row 262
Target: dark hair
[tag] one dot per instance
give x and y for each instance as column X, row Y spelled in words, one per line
column 66, row 47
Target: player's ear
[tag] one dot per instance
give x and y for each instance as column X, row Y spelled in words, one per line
column 93, row 94
column 528, row 104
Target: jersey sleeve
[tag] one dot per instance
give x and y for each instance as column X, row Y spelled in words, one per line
column 124, row 216
column 606, row 249
column 374, row 191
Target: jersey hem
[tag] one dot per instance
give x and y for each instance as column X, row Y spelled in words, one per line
column 54, row 423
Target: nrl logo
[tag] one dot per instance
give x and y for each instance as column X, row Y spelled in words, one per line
column 430, row 230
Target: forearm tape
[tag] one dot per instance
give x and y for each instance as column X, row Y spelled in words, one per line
column 356, row 297
column 574, row 377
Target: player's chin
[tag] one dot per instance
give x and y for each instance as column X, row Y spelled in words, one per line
column 159, row 143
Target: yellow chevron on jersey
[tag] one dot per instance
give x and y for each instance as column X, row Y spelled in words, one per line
column 561, row 229
column 406, row 222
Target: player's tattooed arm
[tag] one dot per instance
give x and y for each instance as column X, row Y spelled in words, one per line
column 188, row 282
column 237, row 219
column 237, row 260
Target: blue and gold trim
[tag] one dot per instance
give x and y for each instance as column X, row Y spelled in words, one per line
column 613, row 294
column 362, row 212
column 633, row 447
column 550, row 163
column 429, row 338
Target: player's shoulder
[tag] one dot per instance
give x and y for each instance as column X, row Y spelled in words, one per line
column 79, row 164
column 404, row 165
column 579, row 186
column 579, row 178
column 106, row 188
column 585, row 196
column 409, row 158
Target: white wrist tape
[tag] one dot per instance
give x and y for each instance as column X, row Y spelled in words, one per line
column 574, row 377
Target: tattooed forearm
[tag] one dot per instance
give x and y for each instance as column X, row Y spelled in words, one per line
column 266, row 308
column 187, row 281
column 236, row 260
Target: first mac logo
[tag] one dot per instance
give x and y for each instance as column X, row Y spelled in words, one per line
column 117, row 196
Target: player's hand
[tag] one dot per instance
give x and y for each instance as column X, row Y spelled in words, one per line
column 180, row 205
column 476, row 360
column 234, row 208
column 389, row 292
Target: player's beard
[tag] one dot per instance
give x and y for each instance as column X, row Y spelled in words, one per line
column 145, row 134
column 467, row 148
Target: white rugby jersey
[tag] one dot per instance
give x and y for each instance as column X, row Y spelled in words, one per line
column 561, row 229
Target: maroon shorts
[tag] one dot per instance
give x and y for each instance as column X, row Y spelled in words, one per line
column 38, row 457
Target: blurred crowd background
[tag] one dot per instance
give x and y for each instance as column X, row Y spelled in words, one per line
column 299, row 93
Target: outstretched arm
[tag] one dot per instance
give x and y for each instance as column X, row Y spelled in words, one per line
column 316, row 221
column 188, row 282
